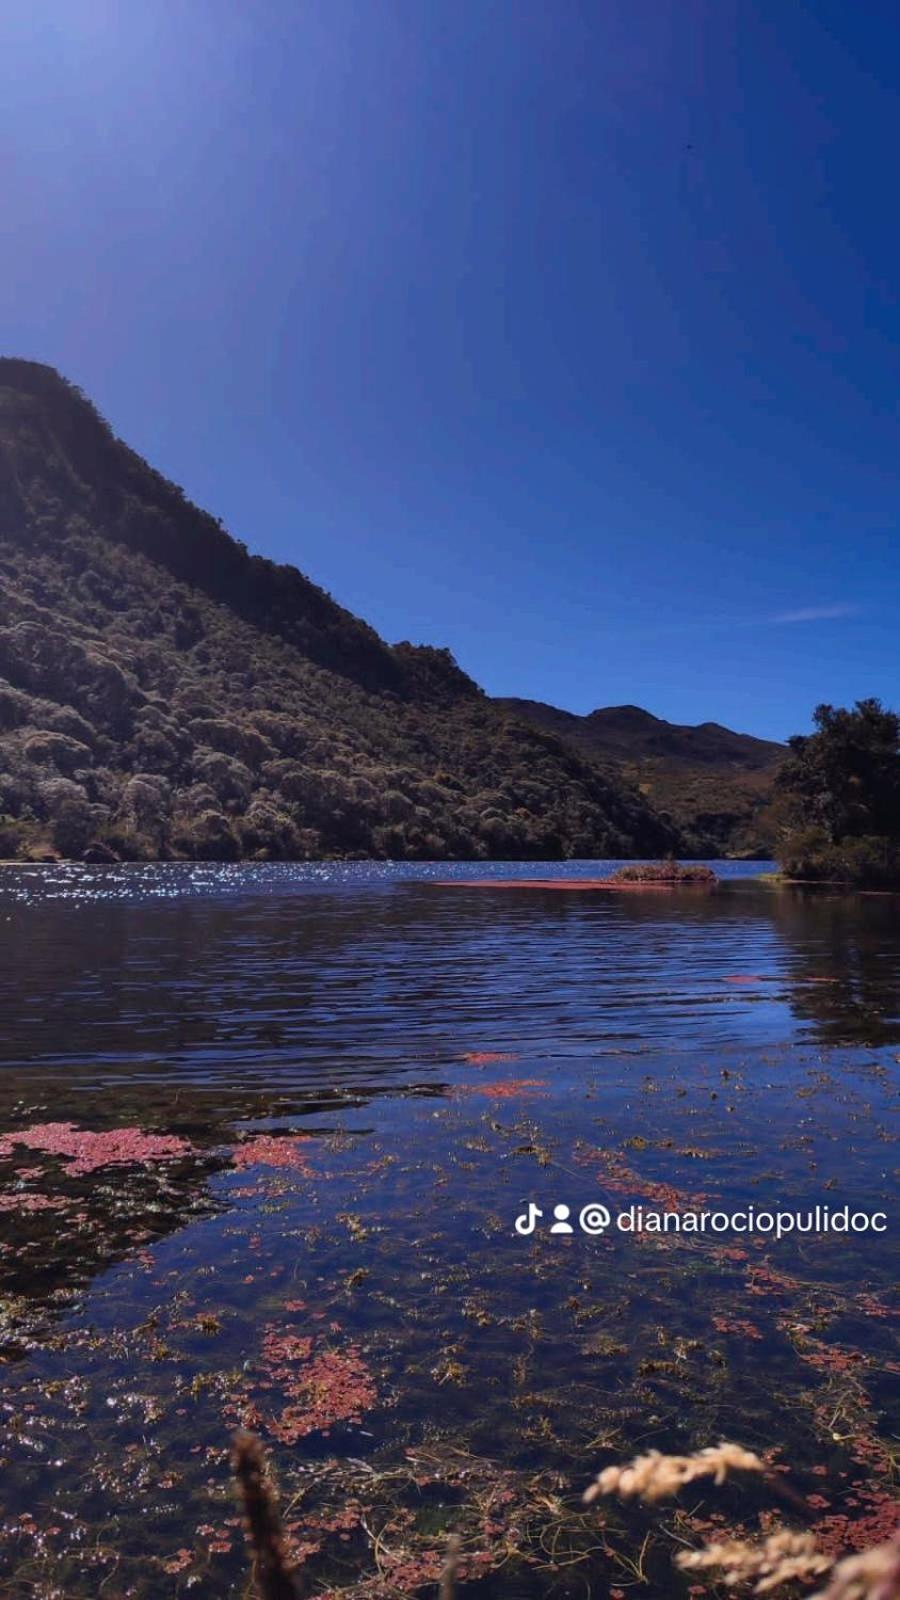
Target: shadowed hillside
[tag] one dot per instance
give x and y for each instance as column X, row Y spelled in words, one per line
column 714, row 783
column 165, row 693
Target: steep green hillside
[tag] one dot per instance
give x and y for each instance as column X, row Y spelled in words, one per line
column 165, row 693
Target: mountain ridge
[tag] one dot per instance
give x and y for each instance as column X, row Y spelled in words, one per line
column 713, row 782
column 164, row 693
column 266, row 593
column 635, row 728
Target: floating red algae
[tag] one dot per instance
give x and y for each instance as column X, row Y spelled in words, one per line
column 177, row 1562
column 837, row 1533
column 738, row 1326
column 87, row 1152
column 306, row 1536
column 616, row 1176
column 763, row 1280
column 508, row 1089
column 268, row 1150
column 322, row 1390
column 487, row 1058
column 32, row 1202
column 281, row 1348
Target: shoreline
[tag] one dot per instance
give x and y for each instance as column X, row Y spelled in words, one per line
column 318, row 861
column 770, row 880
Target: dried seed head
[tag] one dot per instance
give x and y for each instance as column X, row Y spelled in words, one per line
column 654, row 1476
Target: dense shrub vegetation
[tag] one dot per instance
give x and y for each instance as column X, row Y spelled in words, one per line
column 665, row 872
column 713, row 784
column 838, row 798
column 163, row 693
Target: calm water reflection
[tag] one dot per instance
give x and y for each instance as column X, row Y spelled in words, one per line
column 306, row 976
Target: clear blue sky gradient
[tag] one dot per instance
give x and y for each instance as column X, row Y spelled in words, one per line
column 562, row 334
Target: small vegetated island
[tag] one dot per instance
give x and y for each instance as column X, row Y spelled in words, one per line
column 665, row 874
column 637, row 875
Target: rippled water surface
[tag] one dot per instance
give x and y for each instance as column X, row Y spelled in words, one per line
column 361, row 1074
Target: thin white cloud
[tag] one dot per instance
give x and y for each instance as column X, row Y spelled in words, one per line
column 724, row 624
column 814, row 614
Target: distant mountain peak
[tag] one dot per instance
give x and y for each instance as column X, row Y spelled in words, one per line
column 625, row 715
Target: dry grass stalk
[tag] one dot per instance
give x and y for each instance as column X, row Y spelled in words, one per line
column 654, row 1476
column 451, row 1565
column 785, row 1557
column 272, row 1575
column 872, row 1575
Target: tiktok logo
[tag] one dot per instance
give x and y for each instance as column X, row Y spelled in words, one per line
column 525, row 1223
column 593, row 1219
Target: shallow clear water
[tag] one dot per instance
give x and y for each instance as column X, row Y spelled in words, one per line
column 422, row 1058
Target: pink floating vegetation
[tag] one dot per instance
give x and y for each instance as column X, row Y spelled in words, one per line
column 506, row 1089
column 87, row 1152
column 738, row 1326
column 487, row 1058
column 177, row 1562
column 280, row 1349
column 574, row 885
column 321, row 1390
column 616, row 1176
column 268, row 1150
column 32, row 1202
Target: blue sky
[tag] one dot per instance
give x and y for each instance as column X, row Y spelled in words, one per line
column 563, row 334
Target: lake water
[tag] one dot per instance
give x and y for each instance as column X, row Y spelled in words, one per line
column 357, row 1078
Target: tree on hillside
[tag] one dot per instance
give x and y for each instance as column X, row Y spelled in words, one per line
column 838, row 797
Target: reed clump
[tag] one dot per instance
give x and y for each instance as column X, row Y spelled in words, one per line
column 672, row 872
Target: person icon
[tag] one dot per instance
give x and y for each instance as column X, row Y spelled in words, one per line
column 562, row 1223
